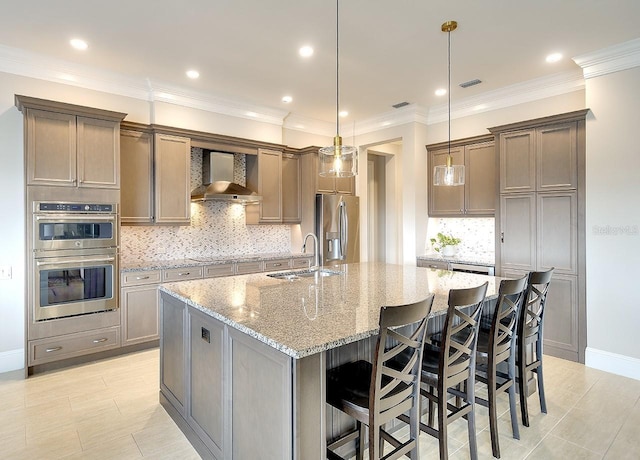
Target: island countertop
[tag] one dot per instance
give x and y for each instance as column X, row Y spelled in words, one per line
column 305, row 316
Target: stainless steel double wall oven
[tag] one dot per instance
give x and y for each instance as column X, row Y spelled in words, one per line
column 75, row 258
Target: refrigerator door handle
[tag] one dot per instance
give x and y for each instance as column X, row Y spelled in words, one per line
column 343, row 228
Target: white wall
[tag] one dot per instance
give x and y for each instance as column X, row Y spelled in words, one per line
column 613, row 222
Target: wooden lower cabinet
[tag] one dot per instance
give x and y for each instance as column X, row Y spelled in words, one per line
column 234, row 394
column 72, row 345
column 139, row 314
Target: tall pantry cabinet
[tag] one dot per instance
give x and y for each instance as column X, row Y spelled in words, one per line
column 540, row 219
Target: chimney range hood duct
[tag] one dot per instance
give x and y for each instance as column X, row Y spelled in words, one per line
column 217, row 181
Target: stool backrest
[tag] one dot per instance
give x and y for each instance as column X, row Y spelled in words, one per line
column 460, row 335
column 505, row 317
column 395, row 390
column 532, row 313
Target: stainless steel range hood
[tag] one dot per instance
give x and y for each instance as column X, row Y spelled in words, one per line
column 217, row 181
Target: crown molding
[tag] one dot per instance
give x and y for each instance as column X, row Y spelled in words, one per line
column 609, row 60
column 309, row 125
column 519, row 93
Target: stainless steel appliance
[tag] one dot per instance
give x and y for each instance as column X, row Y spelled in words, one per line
column 75, row 259
column 338, row 228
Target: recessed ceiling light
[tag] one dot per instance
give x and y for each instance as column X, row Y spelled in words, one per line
column 343, row 113
column 306, row 51
column 79, row 44
column 193, row 74
column 441, row 92
column 554, row 57
column 287, row 99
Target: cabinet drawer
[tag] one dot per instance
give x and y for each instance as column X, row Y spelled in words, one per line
column 71, row 345
column 278, row 264
column 303, row 262
column 181, row 274
column 212, row 271
column 436, row 264
column 248, row 267
column 141, row 277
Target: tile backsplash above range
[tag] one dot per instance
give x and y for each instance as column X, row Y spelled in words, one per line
column 217, row 229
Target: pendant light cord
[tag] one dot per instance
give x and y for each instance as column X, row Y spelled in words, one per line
column 449, row 83
column 337, row 68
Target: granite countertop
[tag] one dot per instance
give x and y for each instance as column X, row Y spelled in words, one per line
column 310, row 315
column 481, row 259
column 143, row 265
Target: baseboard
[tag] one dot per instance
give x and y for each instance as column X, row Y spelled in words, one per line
column 11, row 360
column 612, row 362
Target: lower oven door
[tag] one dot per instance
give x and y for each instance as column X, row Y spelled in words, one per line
column 76, row 284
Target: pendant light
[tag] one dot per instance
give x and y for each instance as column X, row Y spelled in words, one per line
column 449, row 174
column 338, row 160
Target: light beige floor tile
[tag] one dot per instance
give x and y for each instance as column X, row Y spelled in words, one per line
column 162, row 438
column 592, row 431
column 552, row 447
column 626, row 444
column 48, row 446
column 124, row 448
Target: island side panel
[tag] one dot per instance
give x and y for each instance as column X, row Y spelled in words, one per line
column 172, row 352
column 261, row 399
column 310, row 407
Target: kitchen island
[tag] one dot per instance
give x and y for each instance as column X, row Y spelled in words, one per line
column 243, row 359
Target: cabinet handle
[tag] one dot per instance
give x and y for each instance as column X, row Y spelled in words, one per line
column 49, row 350
column 142, row 277
column 103, row 339
column 502, row 237
column 277, row 265
column 184, row 274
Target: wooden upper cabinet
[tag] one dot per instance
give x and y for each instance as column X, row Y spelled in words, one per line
column 339, row 185
column 264, row 175
column 518, row 231
column 136, row 176
column 291, row 186
column 539, row 159
column 556, row 154
column 477, row 196
column 69, row 145
column 517, row 161
column 172, row 175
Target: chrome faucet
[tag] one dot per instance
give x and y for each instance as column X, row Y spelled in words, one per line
column 316, row 251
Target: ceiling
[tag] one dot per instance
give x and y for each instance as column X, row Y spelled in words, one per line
column 390, row 50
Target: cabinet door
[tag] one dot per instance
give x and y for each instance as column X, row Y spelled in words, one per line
column 557, row 163
column 172, row 179
column 346, row 185
column 561, row 318
column 480, row 186
column 517, row 161
column 518, row 231
column 139, row 314
column 51, row 148
column 136, row 177
column 270, row 185
column 206, row 408
column 291, row 189
column 557, row 237
column 98, row 153
column 172, row 351
column 443, row 200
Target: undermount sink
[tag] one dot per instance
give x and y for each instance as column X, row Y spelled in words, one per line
column 295, row 274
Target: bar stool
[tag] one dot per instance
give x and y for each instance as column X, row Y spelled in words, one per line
column 530, row 332
column 495, row 346
column 374, row 394
column 452, row 364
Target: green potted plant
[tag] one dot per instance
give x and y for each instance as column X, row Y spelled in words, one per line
column 445, row 244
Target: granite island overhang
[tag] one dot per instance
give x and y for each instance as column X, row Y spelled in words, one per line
column 243, row 359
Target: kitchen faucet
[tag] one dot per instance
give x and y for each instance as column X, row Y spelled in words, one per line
column 316, row 251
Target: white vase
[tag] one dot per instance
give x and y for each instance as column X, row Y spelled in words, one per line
column 449, row 250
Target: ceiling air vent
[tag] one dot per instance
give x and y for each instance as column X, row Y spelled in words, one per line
column 400, row 104
column 466, row 84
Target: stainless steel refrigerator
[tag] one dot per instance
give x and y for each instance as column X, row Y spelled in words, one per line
column 338, row 228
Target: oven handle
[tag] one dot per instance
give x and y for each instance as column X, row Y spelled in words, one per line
column 40, row 263
column 75, row 217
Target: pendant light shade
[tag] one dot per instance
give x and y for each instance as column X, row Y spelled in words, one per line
column 449, row 174
column 338, row 160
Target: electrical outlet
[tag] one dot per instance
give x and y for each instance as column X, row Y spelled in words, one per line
column 5, row 272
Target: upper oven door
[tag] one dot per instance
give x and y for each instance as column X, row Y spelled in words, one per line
column 54, row 232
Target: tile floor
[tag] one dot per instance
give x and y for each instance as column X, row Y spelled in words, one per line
column 109, row 410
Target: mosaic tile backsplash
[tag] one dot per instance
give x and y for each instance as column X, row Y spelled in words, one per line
column 217, row 229
column 477, row 235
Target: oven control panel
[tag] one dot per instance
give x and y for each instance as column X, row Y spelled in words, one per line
column 75, row 207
